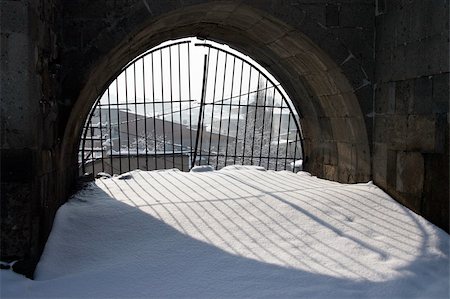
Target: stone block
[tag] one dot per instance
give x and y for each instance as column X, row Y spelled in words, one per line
column 342, row 129
column 421, row 133
column 423, row 90
column 441, row 133
column 391, row 96
column 332, row 15
column 391, row 130
column 380, row 163
column 391, row 168
column 14, row 16
column 441, row 93
column 363, row 162
column 341, row 81
column 268, row 30
column 356, row 15
column 410, row 172
column 346, row 162
column 16, row 217
column 381, row 98
column 321, row 84
column 404, row 96
column 435, row 203
column 330, row 155
column 330, row 172
column 336, row 41
column 282, row 50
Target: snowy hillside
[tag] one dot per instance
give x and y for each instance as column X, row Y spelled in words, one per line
column 237, row 232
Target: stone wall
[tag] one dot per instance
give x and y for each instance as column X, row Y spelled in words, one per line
column 340, row 31
column 29, row 115
column 411, row 157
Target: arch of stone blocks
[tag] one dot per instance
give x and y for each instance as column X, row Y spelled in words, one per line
column 336, row 144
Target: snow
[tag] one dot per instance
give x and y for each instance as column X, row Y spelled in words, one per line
column 297, row 165
column 238, row 232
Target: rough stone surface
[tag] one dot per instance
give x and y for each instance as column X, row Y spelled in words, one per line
column 411, row 106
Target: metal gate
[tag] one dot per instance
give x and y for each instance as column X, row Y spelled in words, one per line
column 188, row 103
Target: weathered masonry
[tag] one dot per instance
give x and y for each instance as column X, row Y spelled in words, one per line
column 370, row 78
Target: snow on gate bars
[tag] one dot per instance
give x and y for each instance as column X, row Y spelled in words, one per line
column 159, row 113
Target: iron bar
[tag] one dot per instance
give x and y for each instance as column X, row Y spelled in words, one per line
column 279, row 134
column 136, row 115
column 229, row 112
column 239, row 113
column 118, row 126
column 221, row 108
column 145, row 114
column 128, row 122
column 190, row 97
column 255, row 120
column 260, row 106
column 162, row 107
column 202, row 109
column 154, row 109
column 246, row 118
column 110, row 133
column 171, row 105
column 179, row 96
column 202, row 100
column 101, row 136
column 263, row 123
column 213, row 106
column 271, row 129
column 287, row 140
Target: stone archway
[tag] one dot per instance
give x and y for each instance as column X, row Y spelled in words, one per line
column 335, row 136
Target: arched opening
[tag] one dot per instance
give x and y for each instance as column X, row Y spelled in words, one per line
column 191, row 102
column 335, row 143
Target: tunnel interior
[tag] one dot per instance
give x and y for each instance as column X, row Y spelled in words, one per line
column 365, row 112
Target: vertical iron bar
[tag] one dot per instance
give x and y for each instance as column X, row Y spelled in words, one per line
column 239, row 113
column 246, row 114
column 221, row 109
column 110, row 133
column 162, row 105
column 101, row 133
column 213, row 107
column 256, row 117
column 279, row 132
column 202, row 104
column 229, row 112
column 92, row 146
column 145, row 114
column 287, row 141
column 118, row 125
column 171, row 106
column 190, row 98
column 128, row 120
column 155, row 157
column 136, row 117
column 203, row 110
column 263, row 124
column 85, row 137
column 181, row 117
column 271, row 129
column 295, row 150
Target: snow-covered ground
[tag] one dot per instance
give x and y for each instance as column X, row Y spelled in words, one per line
column 237, row 232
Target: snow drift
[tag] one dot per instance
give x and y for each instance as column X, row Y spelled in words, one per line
column 237, row 232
